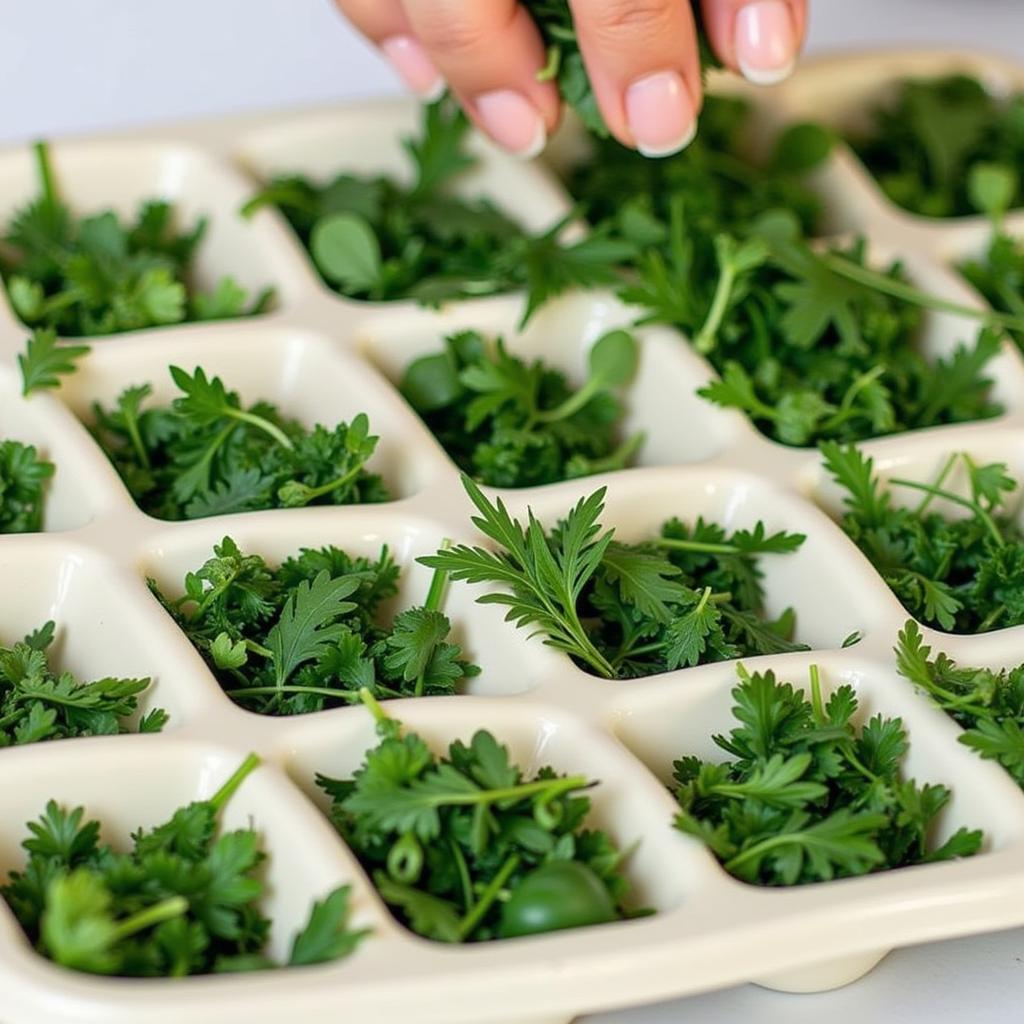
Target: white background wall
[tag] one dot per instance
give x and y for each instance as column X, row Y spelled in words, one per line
column 84, row 65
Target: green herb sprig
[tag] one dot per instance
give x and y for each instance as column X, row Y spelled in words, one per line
column 510, row 423
column 311, row 633
column 808, row 795
column 206, row 454
column 38, row 703
column 963, row 575
column 184, row 900
column 463, row 848
column 688, row 596
column 24, row 479
column 98, row 275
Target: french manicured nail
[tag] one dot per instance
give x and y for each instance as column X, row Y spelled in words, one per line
column 660, row 113
column 765, row 41
column 512, row 121
column 416, row 69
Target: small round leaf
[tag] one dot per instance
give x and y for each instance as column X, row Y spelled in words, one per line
column 346, row 251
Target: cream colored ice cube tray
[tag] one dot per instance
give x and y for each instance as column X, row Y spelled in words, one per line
column 323, row 358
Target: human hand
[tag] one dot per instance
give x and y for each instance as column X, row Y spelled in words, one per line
column 641, row 57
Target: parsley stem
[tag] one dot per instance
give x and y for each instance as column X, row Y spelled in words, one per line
column 262, row 424
column 318, row 691
column 705, row 339
column 984, row 517
column 816, row 702
column 698, row 546
column 46, row 177
column 549, row 72
column 487, row 897
column 618, row 458
column 846, row 409
column 312, row 493
column 380, row 716
column 435, row 596
column 572, row 405
column 991, row 619
column 464, row 880
column 939, row 481
column 221, row 797
column 165, row 910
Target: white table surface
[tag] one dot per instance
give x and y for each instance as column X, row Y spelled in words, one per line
column 73, row 66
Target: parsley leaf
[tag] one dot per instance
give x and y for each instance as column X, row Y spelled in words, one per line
column 45, row 361
column 24, row 479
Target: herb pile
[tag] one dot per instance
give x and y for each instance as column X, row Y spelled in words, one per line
column 310, row 634
column 464, row 848
column 808, row 795
column 375, row 239
column 988, row 703
column 24, row 478
column 965, row 574
column 923, row 145
column 97, row 275
column 509, row 423
column 565, row 61
column 686, row 597
column 207, row 455
column 37, row 703
column 183, row 901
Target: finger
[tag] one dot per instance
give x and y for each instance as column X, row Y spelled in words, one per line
column 384, row 23
column 758, row 38
column 490, row 52
column 641, row 56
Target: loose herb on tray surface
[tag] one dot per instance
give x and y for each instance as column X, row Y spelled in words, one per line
column 311, row 633
column 988, row 703
column 510, row 423
column 923, row 144
column 24, row 478
column 999, row 273
column 376, row 239
column 464, row 848
column 688, row 596
column 809, row 795
column 565, row 61
column 206, row 454
column 184, row 900
column 37, row 703
column 963, row 574
column 100, row 275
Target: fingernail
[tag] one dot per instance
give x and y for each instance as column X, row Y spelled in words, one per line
column 660, row 113
column 416, row 69
column 513, row 122
column 765, row 41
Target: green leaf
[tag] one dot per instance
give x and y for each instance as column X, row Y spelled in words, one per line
column 326, row 935
column 992, row 188
column 346, row 251
column 613, row 359
column 45, row 361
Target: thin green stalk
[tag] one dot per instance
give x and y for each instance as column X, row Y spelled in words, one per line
column 46, row 177
column 224, row 794
column 938, row 482
column 487, row 897
column 262, row 424
column 705, row 339
column 956, row 499
column 318, row 691
column 165, row 910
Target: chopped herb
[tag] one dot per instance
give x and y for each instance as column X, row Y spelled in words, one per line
column 309, row 634
column 688, row 596
column 97, row 275
column 464, row 848
column 515, row 424
column 24, row 478
column 184, row 900
column 809, row 795
column 206, row 454
column 961, row 573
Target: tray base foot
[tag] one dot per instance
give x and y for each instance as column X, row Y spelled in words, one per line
column 824, row 975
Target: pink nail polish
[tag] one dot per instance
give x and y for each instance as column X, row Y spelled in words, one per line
column 512, row 121
column 765, row 41
column 660, row 113
column 416, row 69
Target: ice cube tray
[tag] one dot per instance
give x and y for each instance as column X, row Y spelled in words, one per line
column 322, row 357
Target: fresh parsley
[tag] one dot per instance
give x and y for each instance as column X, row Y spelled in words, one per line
column 463, row 848
column 37, row 703
column 691, row 595
column 809, row 795
column 510, row 423
column 183, row 900
column 963, row 573
column 45, row 360
column 97, row 275
column 311, row 633
column 206, row 454
column 923, row 144
column 24, row 479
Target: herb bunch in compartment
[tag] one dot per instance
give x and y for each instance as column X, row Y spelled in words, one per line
column 208, row 454
column 374, row 238
column 510, row 423
column 465, row 848
column 24, row 479
column 312, row 633
column 183, row 900
column 99, row 274
column 988, row 703
column 924, row 143
column 809, row 795
column 690, row 595
column 958, row 568
column 38, row 702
